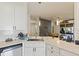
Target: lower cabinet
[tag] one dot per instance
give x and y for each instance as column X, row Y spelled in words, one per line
column 52, row 50
column 34, row 49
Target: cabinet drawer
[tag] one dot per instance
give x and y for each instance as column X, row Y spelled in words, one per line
column 52, row 48
column 34, row 44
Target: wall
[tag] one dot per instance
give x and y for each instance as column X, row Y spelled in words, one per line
column 76, row 21
column 34, row 26
column 51, row 9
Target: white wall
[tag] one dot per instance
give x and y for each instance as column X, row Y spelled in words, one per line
column 52, row 9
column 76, row 21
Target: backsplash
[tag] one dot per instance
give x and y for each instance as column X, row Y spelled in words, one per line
column 4, row 37
column 4, row 34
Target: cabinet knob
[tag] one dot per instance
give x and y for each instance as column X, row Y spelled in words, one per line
column 51, row 47
column 14, row 27
column 34, row 49
column 51, row 51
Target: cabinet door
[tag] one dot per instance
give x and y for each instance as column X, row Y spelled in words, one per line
column 29, row 51
column 66, row 53
column 20, row 18
column 5, row 16
column 40, row 51
column 52, row 50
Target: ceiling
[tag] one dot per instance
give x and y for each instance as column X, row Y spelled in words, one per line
column 52, row 9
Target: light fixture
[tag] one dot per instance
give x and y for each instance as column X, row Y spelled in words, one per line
column 58, row 20
column 39, row 2
column 39, row 23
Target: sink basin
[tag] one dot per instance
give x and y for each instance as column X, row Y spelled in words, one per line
column 35, row 40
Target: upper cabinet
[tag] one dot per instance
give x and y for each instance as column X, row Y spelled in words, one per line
column 20, row 16
column 13, row 15
column 5, row 15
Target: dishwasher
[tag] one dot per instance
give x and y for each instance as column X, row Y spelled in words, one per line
column 13, row 50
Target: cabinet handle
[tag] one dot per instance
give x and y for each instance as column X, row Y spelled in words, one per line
column 15, row 27
column 51, row 47
column 51, row 51
column 35, row 49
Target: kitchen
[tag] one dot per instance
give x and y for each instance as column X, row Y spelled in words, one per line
column 39, row 29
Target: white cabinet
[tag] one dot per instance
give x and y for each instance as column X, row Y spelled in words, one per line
column 13, row 16
column 5, row 15
column 20, row 17
column 52, row 50
column 66, row 53
column 29, row 52
column 33, row 49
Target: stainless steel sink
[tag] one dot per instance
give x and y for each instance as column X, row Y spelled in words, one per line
column 35, row 40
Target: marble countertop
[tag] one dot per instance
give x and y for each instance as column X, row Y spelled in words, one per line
column 48, row 40
column 63, row 45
